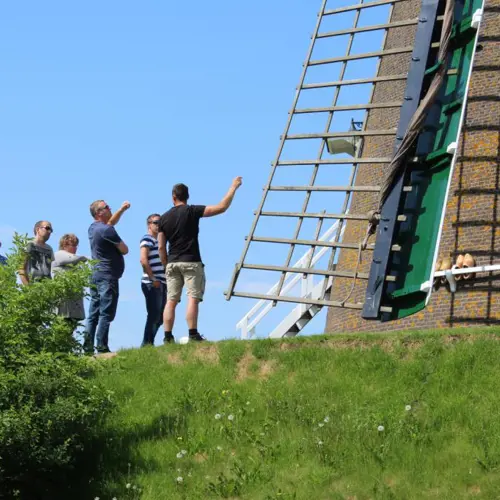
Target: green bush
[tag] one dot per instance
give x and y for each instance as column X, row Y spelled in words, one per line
column 50, row 406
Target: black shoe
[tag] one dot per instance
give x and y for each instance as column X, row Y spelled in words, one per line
column 197, row 337
column 169, row 339
column 102, row 350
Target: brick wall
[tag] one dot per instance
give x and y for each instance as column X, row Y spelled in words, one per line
column 472, row 223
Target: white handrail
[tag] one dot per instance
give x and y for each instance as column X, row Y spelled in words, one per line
column 450, row 274
column 244, row 324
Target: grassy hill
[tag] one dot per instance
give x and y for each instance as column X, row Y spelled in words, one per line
column 396, row 416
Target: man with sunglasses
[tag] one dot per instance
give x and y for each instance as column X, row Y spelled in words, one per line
column 153, row 281
column 39, row 255
column 107, row 248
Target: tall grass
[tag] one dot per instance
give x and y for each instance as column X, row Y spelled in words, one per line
column 379, row 417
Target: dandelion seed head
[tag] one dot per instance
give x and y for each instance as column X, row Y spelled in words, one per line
column 381, row 428
column 320, row 443
column 230, row 417
column 134, row 487
column 184, row 452
column 128, row 485
column 327, row 419
column 179, row 455
column 407, row 407
column 217, row 416
column 179, row 479
column 248, row 403
column 219, row 448
column 321, row 424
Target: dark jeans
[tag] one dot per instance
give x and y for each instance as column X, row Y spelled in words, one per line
column 104, row 294
column 156, row 299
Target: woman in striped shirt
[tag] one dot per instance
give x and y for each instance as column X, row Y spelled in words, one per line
column 153, row 282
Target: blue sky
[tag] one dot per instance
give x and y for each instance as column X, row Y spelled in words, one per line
column 120, row 100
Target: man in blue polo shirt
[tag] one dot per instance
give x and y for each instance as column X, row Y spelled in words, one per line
column 108, row 248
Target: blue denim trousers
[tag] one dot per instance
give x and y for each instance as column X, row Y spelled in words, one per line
column 104, row 293
column 156, row 299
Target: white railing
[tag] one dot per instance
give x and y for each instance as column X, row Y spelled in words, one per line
column 248, row 323
column 450, row 274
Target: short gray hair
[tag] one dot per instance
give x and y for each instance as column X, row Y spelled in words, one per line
column 38, row 225
column 94, row 207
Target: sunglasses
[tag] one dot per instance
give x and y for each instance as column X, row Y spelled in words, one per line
column 155, row 222
column 48, row 228
column 105, row 207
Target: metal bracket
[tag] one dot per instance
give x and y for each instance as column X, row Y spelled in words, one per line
column 476, row 19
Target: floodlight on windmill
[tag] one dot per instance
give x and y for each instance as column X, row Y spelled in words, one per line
column 349, row 144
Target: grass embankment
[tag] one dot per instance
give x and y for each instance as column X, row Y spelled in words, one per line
column 352, row 417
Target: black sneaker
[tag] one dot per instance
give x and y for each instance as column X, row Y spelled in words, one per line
column 197, row 337
column 169, row 339
column 102, row 350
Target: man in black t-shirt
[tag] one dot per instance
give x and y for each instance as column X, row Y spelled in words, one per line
column 180, row 227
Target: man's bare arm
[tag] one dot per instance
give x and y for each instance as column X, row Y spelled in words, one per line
column 221, row 207
column 162, row 248
column 23, row 274
column 145, row 264
column 115, row 218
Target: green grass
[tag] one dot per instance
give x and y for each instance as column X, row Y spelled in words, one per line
column 305, row 418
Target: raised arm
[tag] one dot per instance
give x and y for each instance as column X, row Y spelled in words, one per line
column 162, row 248
column 220, row 208
column 115, row 218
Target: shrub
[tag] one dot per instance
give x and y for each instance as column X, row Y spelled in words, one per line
column 50, row 406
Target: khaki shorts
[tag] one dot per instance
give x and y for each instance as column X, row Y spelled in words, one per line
column 192, row 274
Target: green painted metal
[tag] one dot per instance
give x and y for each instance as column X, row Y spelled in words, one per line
column 430, row 176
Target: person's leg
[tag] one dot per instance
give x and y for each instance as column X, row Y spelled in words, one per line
column 68, row 343
column 153, row 311
column 109, row 293
column 194, row 277
column 72, row 323
column 175, row 282
column 161, row 297
column 169, row 319
column 92, row 320
column 192, row 311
